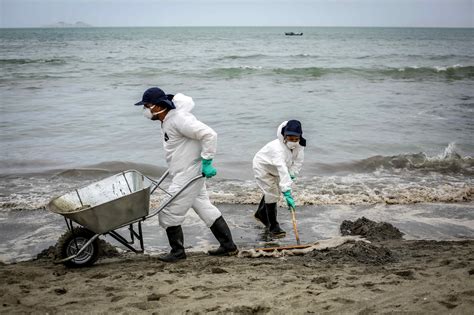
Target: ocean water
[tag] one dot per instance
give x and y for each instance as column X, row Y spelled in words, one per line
column 388, row 113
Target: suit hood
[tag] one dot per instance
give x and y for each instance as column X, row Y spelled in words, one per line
column 183, row 102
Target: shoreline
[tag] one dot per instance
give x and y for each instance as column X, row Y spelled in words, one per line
column 27, row 233
column 414, row 276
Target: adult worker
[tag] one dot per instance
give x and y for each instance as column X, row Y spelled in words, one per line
column 189, row 146
column 275, row 167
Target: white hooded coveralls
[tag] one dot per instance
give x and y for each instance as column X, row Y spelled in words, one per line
column 186, row 140
column 274, row 163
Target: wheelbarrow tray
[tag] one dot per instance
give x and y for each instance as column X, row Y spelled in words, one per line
column 107, row 204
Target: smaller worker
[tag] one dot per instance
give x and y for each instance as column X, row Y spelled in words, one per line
column 275, row 167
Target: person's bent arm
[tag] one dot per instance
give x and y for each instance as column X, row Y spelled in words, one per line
column 297, row 164
column 192, row 128
column 283, row 173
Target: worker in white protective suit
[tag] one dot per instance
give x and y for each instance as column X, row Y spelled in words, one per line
column 275, row 167
column 189, row 146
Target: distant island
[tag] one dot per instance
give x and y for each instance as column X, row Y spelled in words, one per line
column 64, row 24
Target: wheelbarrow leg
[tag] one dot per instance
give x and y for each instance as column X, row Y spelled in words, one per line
column 126, row 243
column 138, row 235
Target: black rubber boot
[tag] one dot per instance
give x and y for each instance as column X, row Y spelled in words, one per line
column 261, row 213
column 176, row 240
column 274, row 227
column 221, row 231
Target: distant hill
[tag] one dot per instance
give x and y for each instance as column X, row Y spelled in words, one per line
column 64, row 24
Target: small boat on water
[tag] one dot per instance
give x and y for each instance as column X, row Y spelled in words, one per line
column 293, row 34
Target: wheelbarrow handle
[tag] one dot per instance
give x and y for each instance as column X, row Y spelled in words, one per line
column 167, row 202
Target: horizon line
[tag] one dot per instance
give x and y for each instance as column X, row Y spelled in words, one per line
column 191, row 26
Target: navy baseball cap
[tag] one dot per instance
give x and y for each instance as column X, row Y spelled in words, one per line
column 293, row 128
column 156, row 96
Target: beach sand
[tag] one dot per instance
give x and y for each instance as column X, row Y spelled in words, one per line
column 388, row 276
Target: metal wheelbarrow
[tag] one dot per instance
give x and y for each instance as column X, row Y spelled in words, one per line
column 102, row 208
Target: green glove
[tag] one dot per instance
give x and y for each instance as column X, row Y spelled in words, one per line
column 207, row 169
column 289, row 199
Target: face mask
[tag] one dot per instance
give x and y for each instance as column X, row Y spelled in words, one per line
column 291, row 145
column 149, row 114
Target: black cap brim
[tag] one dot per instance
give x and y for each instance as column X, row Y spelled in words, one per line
column 292, row 133
column 167, row 102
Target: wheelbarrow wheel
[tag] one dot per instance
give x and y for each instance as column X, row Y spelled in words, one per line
column 70, row 243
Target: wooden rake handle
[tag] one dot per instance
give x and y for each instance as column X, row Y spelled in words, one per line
column 295, row 227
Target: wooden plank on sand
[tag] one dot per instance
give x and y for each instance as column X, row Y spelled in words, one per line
column 288, row 247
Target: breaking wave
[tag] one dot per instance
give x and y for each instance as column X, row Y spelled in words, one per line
column 354, row 189
column 399, row 179
column 261, row 56
column 27, row 61
column 40, row 168
column 384, row 57
column 235, row 57
column 448, row 162
column 455, row 72
column 112, row 167
column 433, row 57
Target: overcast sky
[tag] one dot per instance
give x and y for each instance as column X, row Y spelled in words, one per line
column 400, row 13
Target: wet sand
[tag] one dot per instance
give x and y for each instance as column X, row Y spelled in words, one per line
column 354, row 278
